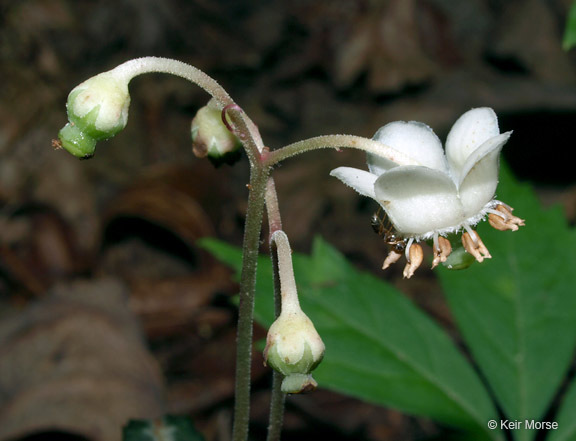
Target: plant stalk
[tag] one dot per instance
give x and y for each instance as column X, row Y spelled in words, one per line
column 252, row 229
column 337, row 142
column 277, row 400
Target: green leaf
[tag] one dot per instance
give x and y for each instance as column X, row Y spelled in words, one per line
column 168, row 428
column 516, row 311
column 570, row 32
column 379, row 346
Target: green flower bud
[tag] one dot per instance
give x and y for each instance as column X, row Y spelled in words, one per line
column 97, row 110
column 294, row 348
column 211, row 138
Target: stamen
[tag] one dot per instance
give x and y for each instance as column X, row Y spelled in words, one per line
column 497, row 213
column 392, row 257
column 502, row 218
column 416, row 258
column 476, row 248
column 442, row 252
column 472, row 234
column 435, row 242
column 407, row 250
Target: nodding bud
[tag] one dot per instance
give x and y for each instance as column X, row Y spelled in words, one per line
column 293, row 346
column 212, row 138
column 97, row 110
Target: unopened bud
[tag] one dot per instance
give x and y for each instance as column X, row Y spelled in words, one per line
column 211, row 137
column 97, row 110
column 294, row 348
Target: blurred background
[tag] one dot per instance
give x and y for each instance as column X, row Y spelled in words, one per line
column 107, row 309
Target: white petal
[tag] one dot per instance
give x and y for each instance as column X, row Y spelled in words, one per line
column 360, row 180
column 419, row 200
column 470, row 131
column 414, row 139
column 494, row 144
column 480, row 175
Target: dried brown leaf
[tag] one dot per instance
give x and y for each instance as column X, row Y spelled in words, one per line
column 75, row 362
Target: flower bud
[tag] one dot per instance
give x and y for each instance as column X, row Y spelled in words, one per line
column 211, row 137
column 294, row 348
column 97, row 110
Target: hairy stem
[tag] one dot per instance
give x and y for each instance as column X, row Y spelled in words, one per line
column 252, row 230
column 272, row 207
column 139, row 66
column 244, row 126
column 289, row 292
column 277, row 400
column 337, row 142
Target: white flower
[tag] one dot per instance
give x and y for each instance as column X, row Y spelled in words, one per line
column 446, row 193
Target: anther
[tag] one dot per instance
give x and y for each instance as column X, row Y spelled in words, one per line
column 392, row 257
column 442, row 250
column 502, row 218
column 475, row 247
column 471, row 234
column 416, row 255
